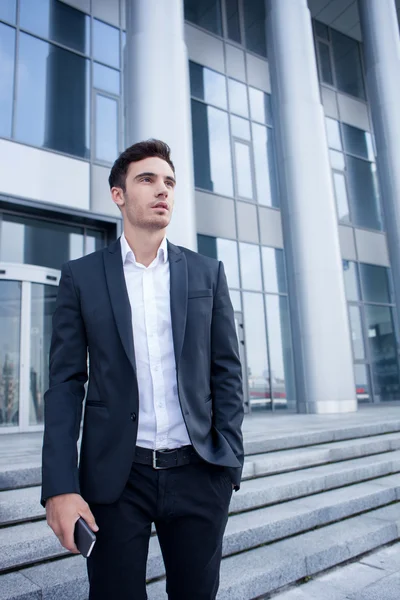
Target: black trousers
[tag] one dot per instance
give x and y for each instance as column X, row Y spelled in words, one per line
column 189, row 506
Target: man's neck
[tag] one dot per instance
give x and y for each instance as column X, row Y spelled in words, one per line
column 144, row 244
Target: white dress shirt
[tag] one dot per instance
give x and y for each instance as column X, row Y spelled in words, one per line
column 161, row 423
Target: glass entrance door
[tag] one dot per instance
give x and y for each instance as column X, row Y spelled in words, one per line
column 27, row 302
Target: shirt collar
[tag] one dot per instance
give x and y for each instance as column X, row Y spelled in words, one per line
column 126, row 251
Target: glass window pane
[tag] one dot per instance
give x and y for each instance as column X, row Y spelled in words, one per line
column 106, row 128
column 256, row 350
column 243, row 170
column 351, row 283
column 211, row 149
column 364, row 193
column 207, row 245
column 206, row 13
column 95, row 240
column 321, row 30
column 342, row 202
column 10, row 326
column 346, row 53
column 58, row 22
column 375, row 284
column 250, row 265
column 52, row 109
column 337, row 160
column 106, row 43
column 363, row 386
column 356, row 333
column 254, row 26
column 39, row 242
column 325, row 66
column 274, row 270
column 333, row 133
column 106, row 79
column 383, row 351
column 357, row 141
column 281, row 352
column 265, row 166
column 232, row 20
column 240, row 128
column 8, row 10
column 227, row 252
column 260, row 106
column 7, row 61
column 208, row 85
column 238, row 98
column 236, row 300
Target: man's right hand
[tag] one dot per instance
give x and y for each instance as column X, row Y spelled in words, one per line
column 62, row 512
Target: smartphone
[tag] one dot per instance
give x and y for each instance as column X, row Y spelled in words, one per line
column 84, row 537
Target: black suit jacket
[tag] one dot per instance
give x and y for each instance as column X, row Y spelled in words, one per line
column 93, row 314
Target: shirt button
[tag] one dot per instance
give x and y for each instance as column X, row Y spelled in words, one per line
column 133, row 416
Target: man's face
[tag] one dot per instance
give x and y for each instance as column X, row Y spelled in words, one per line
column 148, row 199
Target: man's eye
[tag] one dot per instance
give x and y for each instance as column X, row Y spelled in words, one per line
column 146, row 179
column 169, row 183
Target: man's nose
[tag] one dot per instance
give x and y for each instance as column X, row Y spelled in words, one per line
column 162, row 189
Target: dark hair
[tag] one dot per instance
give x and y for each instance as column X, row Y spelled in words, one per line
column 134, row 153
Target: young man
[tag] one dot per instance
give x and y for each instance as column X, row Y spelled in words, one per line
column 162, row 436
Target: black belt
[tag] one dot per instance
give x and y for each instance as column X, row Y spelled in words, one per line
column 166, row 459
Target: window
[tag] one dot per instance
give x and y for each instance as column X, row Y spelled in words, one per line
column 274, row 270
column 8, row 10
column 356, row 333
column 342, row 203
column 240, row 128
column 265, row 166
column 351, row 282
column 375, row 284
column 244, row 179
column 205, row 13
column 321, row 30
column 106, row 79
column 106, row 44
column 347, row 60
column 208, row 85
column 358, row 142
column 254, row 25
column 52, row 108
column 363, row 188
column 211, row 149
column 106, row 128
column 7, row 53
column 250, row 266
column 57, row 22
column 238, row 98
column 260, row 106
column 333, row 133
column 256, row 349
column 325, row 64
column 233, row 21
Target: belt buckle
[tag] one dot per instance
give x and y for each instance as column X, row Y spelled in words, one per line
column 155, row 466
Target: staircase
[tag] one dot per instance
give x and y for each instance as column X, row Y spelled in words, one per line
column 308, row 501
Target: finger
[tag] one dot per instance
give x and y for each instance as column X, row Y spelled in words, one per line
column 67, row 540
column 89, row 518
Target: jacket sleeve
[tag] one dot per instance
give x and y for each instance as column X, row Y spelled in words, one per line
column 226, row 374
column 63, row 399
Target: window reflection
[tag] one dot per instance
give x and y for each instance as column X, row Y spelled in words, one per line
column 208, row 85
column 243, row 170
column 238, row 98
column 325, row 63
column 362, row 383
column 240, row 128
column 52, row 110
column 351, row 283
column 342, row 203
column 347, row 61
column 106, row 79
column 211, row 149
column 260, row 106
column 363, row 187
column 375, row 284
column 206, row 14
column 10, row 326
column 357, row 141
column 232, row 20
column 356, row 333
column 56, row 21
column 274, row 270
column 106, row 128
column 250, row 265
column 333, row 133
column 94, row 241
column 256, row 350
column 281, row 357
column 228, row 253
column 254, row 25
column 8, row 11
column 236, row 300
column 265, row 168
column 7, row 52
column 106, row 43
column 383, row 351
column 337, row 160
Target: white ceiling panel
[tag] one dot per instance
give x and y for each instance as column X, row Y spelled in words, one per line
column 355, row 32
column 333, row 10
column 347, row 19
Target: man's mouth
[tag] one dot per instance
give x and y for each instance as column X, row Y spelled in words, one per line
column 163, row 205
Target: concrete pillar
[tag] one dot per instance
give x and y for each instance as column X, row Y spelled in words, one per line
column 321, row 337
column 380, row 31
column 157, row 97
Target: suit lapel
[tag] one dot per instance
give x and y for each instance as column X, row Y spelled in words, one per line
column 179, row 297
column 119, row 298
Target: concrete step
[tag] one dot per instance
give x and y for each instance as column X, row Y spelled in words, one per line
column 244, row 576
column 299, row 458
column 20, row 505
column 20, row 475
column 35, row 542
column 270, row 441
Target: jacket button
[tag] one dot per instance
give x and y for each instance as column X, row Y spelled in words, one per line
column 133, row 416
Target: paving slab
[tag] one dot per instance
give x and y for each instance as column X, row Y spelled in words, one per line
column 15, row 585
column 387, row 559
column 385, row 589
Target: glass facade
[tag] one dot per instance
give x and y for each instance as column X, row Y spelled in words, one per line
column 49, row 95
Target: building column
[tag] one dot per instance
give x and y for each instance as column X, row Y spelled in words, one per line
column 320, row 325
column 157, row 97
column 380, row 32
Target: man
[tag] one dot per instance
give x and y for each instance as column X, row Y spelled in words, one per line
column 162, row 437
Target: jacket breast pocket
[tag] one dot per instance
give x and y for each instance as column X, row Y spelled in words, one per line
column 192, row 294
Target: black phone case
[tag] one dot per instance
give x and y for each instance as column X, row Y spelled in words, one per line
column 84, row 537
